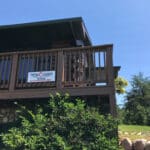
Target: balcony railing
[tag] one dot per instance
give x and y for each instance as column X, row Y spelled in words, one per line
column 74, row 67
column 5, row 70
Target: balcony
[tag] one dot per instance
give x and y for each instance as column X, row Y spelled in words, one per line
column 78, row 71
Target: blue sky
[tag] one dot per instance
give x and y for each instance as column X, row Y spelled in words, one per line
column 126, row 24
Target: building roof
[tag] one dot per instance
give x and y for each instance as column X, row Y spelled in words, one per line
column 42, row 35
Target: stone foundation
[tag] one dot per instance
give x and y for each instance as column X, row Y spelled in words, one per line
column 139, row 144
column 7, row 114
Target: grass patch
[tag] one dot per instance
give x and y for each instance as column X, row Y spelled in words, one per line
column 134, row 132
column 134, row 128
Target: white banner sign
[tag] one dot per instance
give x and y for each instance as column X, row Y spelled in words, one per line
column 42, row 76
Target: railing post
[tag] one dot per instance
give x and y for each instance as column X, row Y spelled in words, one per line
column 110, row 79
column 60, row 69
column 13, row 72
column 109, row 65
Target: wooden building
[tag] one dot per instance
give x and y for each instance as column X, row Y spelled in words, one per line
column 53, row 56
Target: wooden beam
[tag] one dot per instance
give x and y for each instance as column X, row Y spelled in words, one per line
column 44, row 92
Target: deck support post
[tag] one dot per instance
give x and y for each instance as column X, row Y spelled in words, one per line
column 112, row 101
column 110, row 81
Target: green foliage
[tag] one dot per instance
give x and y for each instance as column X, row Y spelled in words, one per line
column 134, row 128
column 66, row 125
column 137, row 106
column 120, row 114
column 120, row 84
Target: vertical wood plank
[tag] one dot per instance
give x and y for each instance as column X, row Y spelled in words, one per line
column 69, row 66
column 37, row 62
column 41, row 63
column 13, row 72
column 59, row 69
column 22, row 65
column 8, row 71
column 46, row 61
column 5, row 69
column 56, row 59
column 89, row 65
column 65, row 67
column 94, row 65
column 1, row 71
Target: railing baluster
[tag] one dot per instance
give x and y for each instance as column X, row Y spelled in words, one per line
column 8, row 70
column 104, row 55
column 94, row 65
column 65, row 67
column 5, row 71
column 37, row 62
column 24, row 69
column 18, row 71
column 50, row 56
column 46, row 61
column 99, row 62
column 41, row 65
column 59, row 69
column 89, row 65
column 74, row 73
column 28, row 65
column 56, row 60
column 2, row 72
column 69, row 66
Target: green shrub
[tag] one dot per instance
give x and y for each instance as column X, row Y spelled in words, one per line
column 62, row 125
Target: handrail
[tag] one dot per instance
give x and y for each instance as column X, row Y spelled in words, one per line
column 57, row 49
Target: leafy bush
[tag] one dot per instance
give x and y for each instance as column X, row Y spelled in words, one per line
column 120, row 85
column 137, row 106
column 63, row 124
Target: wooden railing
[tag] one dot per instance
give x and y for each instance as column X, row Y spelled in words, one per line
column 34, row 62
column 74, row 67
column 5, row 70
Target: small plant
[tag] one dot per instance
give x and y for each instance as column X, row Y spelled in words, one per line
column 64, row 124
column 120, row 84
